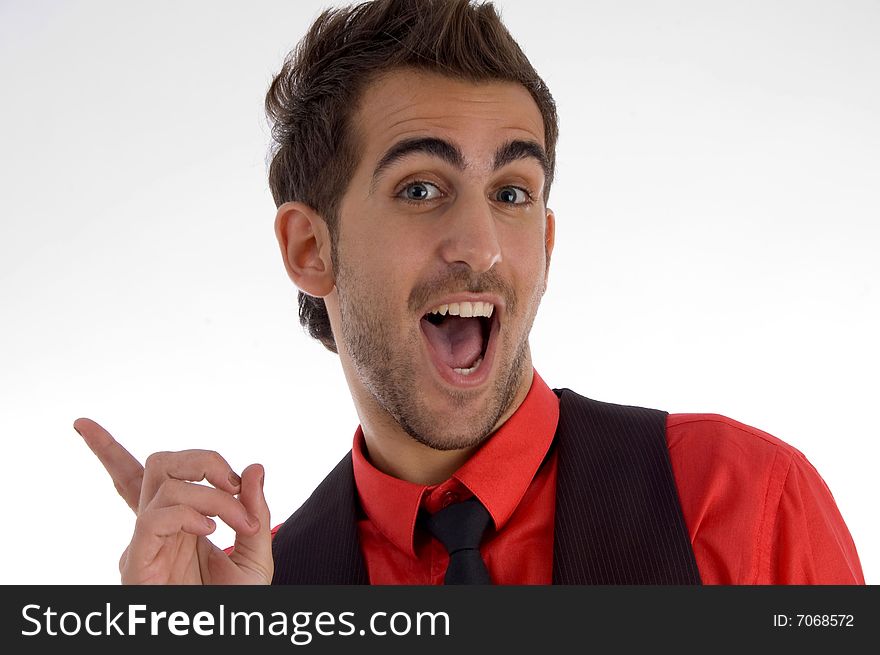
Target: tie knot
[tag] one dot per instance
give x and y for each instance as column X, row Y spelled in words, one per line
column 459, row 526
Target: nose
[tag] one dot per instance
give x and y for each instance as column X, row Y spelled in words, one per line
column 471, row 235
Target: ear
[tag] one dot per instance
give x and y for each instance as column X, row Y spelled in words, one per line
column 305, row 248
column 549, row 242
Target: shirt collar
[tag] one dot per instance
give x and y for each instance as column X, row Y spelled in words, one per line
column 498, row 473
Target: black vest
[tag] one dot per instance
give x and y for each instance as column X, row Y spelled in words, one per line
column 618, row 518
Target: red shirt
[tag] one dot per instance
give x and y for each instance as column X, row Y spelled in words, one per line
column 756, row 510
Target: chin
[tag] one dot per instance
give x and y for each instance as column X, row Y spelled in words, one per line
column 448, row 442
column 457, row 427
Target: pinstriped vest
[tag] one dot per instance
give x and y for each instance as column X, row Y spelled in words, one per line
column 618, row 518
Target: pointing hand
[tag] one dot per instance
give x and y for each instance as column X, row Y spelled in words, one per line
column 170, row 544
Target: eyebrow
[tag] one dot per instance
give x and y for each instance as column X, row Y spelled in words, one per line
column 519, row 149
column 431, row 146
column 450, row 153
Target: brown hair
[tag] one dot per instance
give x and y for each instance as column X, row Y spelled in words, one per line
column 311, row 101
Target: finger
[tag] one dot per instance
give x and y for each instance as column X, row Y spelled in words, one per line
column 170, row 521
column 207, row 501
column 189, row 465
column 123, row 559
column 254, row 550
column 252, row 497
column 124, row 469
column 152, row 529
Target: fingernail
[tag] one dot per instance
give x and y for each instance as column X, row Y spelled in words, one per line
column 234, row 479
column 77, row 431
column 253, row 521
column 211, row 525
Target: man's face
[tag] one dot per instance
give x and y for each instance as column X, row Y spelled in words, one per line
column 444, row 214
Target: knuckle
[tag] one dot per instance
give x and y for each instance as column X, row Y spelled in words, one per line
column 157, row 459
column 202, row 454
column 143, row 520
column 167, row 490
column 120, row 487
column 123, row 559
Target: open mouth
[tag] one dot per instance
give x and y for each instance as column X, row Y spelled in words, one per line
column 460, row 336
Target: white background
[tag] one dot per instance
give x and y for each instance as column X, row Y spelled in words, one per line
column 718, row 213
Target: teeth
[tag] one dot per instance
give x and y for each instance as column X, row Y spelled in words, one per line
column 465, row 309
column 468, row 371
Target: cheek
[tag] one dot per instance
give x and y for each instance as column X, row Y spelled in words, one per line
column 387, row 240
column 381, row 274
column 398, row 255
column 526, row 255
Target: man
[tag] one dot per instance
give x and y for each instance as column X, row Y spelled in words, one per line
column 415, row 151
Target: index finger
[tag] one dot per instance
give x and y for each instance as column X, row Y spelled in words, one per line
column 126, row 472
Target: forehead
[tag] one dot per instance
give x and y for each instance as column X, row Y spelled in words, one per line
column 410, row 103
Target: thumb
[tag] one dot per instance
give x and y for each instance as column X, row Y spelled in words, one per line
column 254, row 551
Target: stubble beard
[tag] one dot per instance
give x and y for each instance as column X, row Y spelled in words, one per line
column 389, row 374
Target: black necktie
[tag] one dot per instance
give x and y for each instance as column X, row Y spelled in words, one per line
column 459, row 527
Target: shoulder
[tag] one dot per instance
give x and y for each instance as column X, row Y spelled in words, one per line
column 724, row 441
column 756, row 509
column 723, row 467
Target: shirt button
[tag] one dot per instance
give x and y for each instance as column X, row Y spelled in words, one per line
column 448, row 498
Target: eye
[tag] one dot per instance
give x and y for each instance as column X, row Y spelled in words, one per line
column 513, row 195
column 419, row 191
